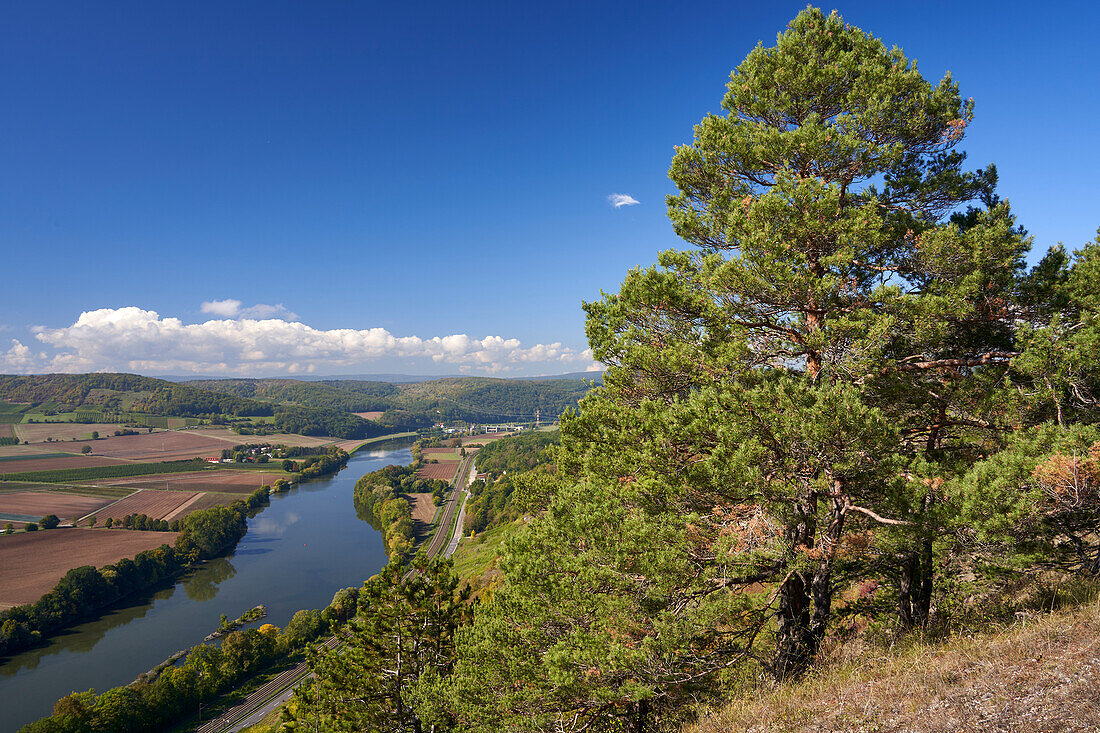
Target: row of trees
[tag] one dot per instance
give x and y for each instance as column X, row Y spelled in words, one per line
column 850, row 381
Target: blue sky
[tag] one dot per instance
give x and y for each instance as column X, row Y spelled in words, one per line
column 421, row 187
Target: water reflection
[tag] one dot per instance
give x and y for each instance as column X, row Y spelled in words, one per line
column 84, row 637
column 202, row 584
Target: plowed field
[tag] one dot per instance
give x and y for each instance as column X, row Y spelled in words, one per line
column 237, row 482
column 31, row 463
column 40, row 503
column 369, row 415
column 6, row 431
column 165, row 446
column 32, row 563
column 228, row 436
column 444, row 471
column 154, row 504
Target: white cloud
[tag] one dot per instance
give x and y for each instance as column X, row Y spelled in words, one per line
column 619, row 200
column 138, row 340
column 19, row 359
column 231, row 308
column 227, row 308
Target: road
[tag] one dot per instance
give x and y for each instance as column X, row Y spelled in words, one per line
column 276, row 692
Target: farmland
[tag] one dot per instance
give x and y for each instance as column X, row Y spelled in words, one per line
column 238, row 482
column 423, row 509
column 164, row 446
column 52, row 462
column 61, row 431
column 444, row 471
column 35, row 561
column 287, row 439
column 94, row 473
column 153, row 504
column 483, row 439
column 371, row 415
column 40, row 503
column 441, row 454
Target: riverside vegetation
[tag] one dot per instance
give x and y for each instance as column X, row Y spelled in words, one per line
column 846, row 414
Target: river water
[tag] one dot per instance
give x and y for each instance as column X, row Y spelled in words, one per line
column 297, row 553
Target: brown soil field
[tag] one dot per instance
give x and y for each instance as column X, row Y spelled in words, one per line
column 227, row 435
column 30, row 463
column 61, row 431
column 237, row 482
column 31, row 564
column 445, row 470
column 154, row 504
column 40, row 503
column 422, row 507
column 374, row 415
column 6, row 430
column 163, row 446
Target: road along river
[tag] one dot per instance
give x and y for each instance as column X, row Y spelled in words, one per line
column 298, row 552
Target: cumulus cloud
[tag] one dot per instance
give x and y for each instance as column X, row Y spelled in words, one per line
column 231, row 308
column 19, row 358
column 619, row 200
column 134, row 339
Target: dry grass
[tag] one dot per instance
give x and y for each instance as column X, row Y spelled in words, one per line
column 1041, row 675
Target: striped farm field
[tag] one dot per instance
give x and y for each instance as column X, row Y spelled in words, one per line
column 154, row 504
column 444, row 470
column 236, row 482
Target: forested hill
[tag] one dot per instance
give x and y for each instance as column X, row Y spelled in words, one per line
column 476, row 399
column 123, row 395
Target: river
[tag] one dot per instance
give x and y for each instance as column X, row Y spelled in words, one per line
column 297, row 553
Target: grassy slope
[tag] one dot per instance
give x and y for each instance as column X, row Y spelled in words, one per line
column 477, row 559
column 1043, row 674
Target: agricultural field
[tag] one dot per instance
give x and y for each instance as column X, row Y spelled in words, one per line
column 32, row 563
column 7, row 451
column 289, row 439
column 162, row 446
column 483, row 439
column 423, row 510
column 61, row 431
column 54, row 461
column 154, row 504
column 6, row 430
column 37, row 504
column 441, row 454
column 222, row 480
column 445, row 470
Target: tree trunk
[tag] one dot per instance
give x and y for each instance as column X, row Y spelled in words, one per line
column 791, row 658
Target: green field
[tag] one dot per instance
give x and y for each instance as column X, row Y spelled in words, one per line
column 35, row 456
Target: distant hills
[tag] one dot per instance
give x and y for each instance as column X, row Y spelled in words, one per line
column 309, row 407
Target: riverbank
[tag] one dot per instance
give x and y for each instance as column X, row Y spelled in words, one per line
column 297, row 553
